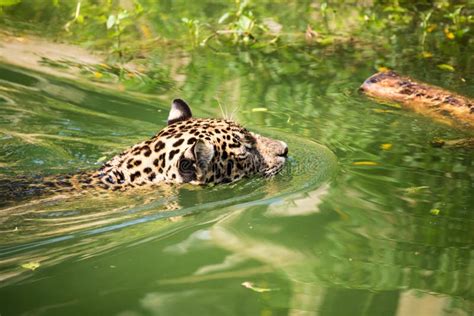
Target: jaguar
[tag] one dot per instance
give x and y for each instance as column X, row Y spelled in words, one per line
column 188, row 150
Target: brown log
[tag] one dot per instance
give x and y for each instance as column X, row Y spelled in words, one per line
column 435, row 102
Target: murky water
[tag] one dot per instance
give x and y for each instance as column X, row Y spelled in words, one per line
column 366, row 219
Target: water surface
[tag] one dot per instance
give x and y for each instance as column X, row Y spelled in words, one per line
column 366, row 219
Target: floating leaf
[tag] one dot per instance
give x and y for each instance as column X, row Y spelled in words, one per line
column 365, row 163
column 412, row 190
column 98, row 75
column 446, row 67
column 426, row 55
column 435, row 211
column 31, row 265
column 259, row 110
column 386, row 146
column 251, row 286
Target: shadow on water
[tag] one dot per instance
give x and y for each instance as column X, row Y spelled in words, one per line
column 385, row 230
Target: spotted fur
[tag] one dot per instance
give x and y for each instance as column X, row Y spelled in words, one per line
column 188, row 150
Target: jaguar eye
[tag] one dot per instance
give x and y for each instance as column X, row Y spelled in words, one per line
column 249, row 142
column 186, row 165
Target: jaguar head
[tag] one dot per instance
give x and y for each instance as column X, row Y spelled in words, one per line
column 216, row 150
column 198, row 151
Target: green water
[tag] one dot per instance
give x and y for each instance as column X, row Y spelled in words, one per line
column 366, row 219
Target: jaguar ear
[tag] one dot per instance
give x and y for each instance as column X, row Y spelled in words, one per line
column 203, row 152
column 180, row 111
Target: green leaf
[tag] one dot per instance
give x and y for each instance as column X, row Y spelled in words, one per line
column 413, row 190
column 223, row 18
column 122, row 15
column 323, row 6
column 111, row 21
column 245, row 23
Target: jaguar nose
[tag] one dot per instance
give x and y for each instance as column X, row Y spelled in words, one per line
column 285, row 150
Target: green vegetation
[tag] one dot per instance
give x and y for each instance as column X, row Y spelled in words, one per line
column 137, row 35
column 128, row 29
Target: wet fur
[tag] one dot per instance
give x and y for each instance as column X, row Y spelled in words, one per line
column 188, row 150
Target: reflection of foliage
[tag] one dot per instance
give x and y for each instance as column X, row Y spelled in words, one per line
column 152, row 79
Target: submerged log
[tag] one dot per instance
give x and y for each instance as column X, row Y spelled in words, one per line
column 435, row 102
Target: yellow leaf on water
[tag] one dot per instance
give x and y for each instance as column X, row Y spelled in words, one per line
column 435, row 211
column 98, row 75
column 446, row 67
column 31, row 265
column 386, row 146
column 426, row 55
column 251, row 286
column 365, row 163
column 259, row 110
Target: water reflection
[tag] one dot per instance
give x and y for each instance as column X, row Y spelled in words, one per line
column 333, row 257
column 391, row 234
